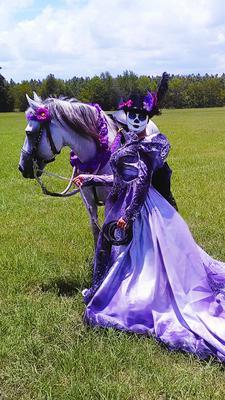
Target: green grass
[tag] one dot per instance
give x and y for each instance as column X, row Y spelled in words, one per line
column 46, row 250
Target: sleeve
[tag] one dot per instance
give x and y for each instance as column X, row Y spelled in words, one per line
column 97, row 180
column 141, row 187
column 164, row 145
column 152, row 155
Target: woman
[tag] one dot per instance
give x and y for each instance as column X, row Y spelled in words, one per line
column 161, row 282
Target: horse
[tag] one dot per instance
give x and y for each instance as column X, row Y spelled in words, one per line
column 89, row 132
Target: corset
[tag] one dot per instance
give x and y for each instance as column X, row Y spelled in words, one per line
column 125, row 162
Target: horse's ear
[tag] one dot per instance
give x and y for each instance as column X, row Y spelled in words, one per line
column 32, row 103
column 37, row 98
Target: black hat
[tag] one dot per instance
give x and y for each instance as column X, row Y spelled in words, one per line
column 140, row 103
column 149, row 103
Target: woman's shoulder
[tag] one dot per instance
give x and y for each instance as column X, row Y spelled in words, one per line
column 157, row 139
column 154, row 138
column 157, row 142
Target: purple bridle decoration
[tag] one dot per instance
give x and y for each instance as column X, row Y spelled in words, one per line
column 41, row 114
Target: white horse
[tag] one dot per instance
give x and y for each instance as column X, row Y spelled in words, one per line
column 85, row 128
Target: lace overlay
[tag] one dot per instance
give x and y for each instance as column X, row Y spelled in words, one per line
column 216, row 279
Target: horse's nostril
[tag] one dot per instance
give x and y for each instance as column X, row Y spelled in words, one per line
column 26, row 174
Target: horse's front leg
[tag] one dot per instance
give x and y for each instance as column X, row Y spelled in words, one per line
column 94, row 224
column 92, row 212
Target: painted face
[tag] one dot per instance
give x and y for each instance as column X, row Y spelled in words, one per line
column 136, row 122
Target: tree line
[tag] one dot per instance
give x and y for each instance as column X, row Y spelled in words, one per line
column 190, row 91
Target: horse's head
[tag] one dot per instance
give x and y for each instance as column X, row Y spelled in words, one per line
column 55, row 123
column 40, row 145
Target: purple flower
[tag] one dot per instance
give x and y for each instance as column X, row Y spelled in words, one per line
column 127, row 103
column 41, row 114
column 150, row 101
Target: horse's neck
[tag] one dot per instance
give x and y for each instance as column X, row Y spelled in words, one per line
column 83, row 146
column 112, row 131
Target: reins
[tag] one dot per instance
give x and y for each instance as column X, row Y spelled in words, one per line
column 36, row 169
column 47, row 192
column 55, row 194
column 110, row 229
column 76, row 168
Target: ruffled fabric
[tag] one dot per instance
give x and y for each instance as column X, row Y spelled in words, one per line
column 163, row 285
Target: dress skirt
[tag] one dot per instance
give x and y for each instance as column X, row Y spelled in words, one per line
column 163, row 284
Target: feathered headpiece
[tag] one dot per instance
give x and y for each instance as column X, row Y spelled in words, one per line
column 149, row 103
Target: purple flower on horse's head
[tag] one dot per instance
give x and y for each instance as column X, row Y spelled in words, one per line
column 150, row 101
column 41, row 114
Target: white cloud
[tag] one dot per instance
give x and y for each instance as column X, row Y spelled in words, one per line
column 86, row 37
column 8, row 10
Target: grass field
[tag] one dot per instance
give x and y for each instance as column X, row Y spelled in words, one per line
column 46, row 250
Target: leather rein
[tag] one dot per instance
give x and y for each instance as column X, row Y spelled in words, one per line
column 54, row 151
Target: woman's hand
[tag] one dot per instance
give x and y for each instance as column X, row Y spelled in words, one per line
column 121, row 223
column 79, row 180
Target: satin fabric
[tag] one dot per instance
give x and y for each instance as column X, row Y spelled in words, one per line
column 164, row 285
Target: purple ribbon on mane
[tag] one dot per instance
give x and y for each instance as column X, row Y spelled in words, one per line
column 105, row 152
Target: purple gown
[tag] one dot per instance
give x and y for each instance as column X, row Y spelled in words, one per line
column 162, row 283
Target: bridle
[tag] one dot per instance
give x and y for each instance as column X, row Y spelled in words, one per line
column 75, row 171
column 36, row 139
column 44, row 126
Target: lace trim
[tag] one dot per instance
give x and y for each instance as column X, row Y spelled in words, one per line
column 215, row 280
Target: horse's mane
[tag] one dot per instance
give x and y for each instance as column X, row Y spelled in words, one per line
column 80, row 117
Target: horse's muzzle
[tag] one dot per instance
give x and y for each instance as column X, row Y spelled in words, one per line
column 25, row 173
column 26, row 165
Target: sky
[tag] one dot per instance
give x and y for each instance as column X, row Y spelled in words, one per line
column 86, row 37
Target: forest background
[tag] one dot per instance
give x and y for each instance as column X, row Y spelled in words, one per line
column 185, row 91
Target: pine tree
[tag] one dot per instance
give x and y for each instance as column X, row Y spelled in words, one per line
column 6, row 99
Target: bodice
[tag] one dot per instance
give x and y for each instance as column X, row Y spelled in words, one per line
column 128, row 160
column 133, row 165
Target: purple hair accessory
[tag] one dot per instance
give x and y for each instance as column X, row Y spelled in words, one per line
column 127, row 103
column 102, row 127
column 41, row 114
column 104, row 154
column 150, row 101
column 91, row 166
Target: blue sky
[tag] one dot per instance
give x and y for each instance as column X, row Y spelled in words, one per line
column 86, row 37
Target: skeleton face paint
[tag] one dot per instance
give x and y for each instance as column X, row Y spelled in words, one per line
column 136, row 122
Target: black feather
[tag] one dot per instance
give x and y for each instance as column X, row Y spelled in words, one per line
column 163, row 86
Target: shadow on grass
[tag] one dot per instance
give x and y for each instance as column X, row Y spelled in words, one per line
column 64, row 287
